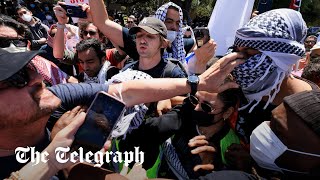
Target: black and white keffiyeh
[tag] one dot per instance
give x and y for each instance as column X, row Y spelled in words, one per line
column 277, row 34
column 177, row 44
column 101, row 77
column 133, row 116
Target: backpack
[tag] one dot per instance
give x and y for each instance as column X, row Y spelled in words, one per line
column 172, row 63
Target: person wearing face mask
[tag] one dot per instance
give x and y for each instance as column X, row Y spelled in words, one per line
column 271, row 50
column 203, row 113
column 169, row 13
column 265, row 77
column 49, row 19
column 290, row 142
column 38, row 29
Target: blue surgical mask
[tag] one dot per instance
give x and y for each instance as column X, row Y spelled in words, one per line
column 171, row 35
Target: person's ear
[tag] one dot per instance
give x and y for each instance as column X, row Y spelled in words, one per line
column 165, row 43
column 228, row 113
column 103, row 59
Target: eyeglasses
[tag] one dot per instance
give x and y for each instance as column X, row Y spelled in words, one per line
column 21, row 78
column 92, row 33
column 6, row 42
column 130, row 22
column 307, row 42
column 205, row 106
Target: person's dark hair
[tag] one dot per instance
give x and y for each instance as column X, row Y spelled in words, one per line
column 173, row 7
column 230, row 98
column 312, row 73
column 94, row 44
column 21, row 7
column 83, row 26
column 19, row 27
column 311, row 36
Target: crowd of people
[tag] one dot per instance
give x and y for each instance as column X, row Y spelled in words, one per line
column 251, row 114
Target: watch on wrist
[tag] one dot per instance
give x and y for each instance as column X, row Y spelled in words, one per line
column 193, row 81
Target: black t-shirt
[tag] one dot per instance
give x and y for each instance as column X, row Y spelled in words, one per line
column 159, row 71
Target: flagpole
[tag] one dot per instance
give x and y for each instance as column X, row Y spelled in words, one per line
column 300, row 5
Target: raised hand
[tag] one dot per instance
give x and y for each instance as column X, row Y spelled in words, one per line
column 204, row 150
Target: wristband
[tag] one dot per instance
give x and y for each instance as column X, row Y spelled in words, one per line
column 60, row 26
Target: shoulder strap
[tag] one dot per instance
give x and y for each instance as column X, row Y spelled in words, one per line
column 111, row 71
column 80, row 77
column 129, row 65
column 177, row 63
column 167, row 72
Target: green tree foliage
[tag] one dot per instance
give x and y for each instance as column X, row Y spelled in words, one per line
column 310, row 9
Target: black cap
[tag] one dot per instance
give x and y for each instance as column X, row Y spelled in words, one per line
column 306, row 105
column 10, row 63
column 152, row 25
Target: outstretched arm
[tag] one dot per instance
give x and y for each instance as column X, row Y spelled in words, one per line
column 110, row 29
column 58, row 40
column 143, row 91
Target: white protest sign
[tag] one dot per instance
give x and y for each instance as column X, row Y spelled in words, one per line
column 226, row 18
column 75, row 3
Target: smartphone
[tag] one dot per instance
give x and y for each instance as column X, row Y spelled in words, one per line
column 264, row 5
column 202, row 35
column 74, row 11
column 102, row 115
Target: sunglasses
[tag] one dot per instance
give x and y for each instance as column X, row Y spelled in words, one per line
column 92, row 33
column 205, row 106
column 21, row 78
column 307, row 42
column 6, row 42
column 130, row 22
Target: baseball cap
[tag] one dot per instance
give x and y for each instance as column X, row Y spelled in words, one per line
column 306, row 105
column 152, row 25
column 10, row 63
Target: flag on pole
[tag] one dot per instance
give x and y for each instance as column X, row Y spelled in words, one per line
column 295, row 4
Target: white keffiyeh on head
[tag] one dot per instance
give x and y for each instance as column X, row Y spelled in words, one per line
column 177, row 44
column 133, row 116
column 277, row 34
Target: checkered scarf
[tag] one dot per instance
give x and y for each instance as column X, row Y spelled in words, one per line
column 134, row 115
column 177, row 44
column 277, row 34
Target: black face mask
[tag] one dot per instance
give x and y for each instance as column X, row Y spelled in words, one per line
column 204, row 119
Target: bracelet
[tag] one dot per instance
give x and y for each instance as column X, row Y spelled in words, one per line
column 61, row 26
column 14, row 176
